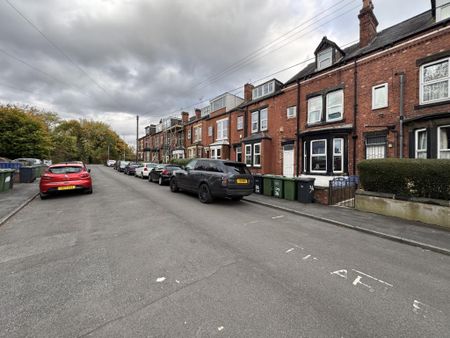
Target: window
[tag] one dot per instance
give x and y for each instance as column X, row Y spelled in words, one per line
column 216, row 153
column 324, row 59
column 248, row 154
column 218, row 104
column 238, row 154
column 319, row 156
column 291, row 112
column 257, row 155
column 338, row 155
column 444, row 142
column 263, row 90
column 222, row 130
column 305, row 157
column 442, row 10
column 380, row 96
column 375, row 147
column 434, row 86
column 314, row 109
column 421, row 143
column 197, row 133
column 240, row 122
column 335, row 103
column 189, row 134
column 210, row 131
column 255, row 122
column 263, row 119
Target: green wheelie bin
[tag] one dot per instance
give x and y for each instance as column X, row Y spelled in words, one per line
column 268, row 185
column 278, row 188
column 290, row 188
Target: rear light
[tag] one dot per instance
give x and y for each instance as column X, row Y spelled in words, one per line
column 145, row 169
column 224, row 181
column 86, row 175
column 46, row 178
column 165, row 172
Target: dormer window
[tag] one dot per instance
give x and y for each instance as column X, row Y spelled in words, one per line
column 442, row 10
column 325, row 58
column 263, row 90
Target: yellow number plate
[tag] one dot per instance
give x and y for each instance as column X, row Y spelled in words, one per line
column 241, row 181
column 67, row 187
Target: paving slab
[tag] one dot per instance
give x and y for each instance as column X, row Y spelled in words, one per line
column 13, row 200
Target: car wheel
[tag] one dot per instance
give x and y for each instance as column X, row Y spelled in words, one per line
column 88, row 191
column 149, row 178
column 173, row 185
column 160, row 181
column 43, row 196
column 142, row 175
column 204, row 195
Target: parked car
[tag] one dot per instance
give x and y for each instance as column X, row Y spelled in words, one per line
column 65, row 177
column 26, row 161
column 130, row 168
column 213, row 178
column 122, row 166
column 143, row 170
column 162, row 173
column 110, row 163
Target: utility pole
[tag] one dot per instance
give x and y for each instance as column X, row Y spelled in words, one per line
column 137, row 136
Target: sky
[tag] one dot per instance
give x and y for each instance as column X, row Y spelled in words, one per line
column 111, row 60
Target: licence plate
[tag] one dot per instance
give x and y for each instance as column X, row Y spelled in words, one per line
column 67, row 187
column 241, row 181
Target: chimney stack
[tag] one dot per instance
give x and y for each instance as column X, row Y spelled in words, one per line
column 367, row 24
column 184, row 117
column 198, row 113
column 248, row 91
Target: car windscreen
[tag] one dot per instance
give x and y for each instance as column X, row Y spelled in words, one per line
column 65, row 170
column 236, row 168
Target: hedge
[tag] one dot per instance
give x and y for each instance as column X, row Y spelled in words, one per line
column 407, row 177
column 180, row 161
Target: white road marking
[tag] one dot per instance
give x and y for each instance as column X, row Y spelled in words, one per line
column 177, row 281
column 358, row 281
column 160, row 279
column 277, row 217
column 306, row 257
column 378, row 280
column 220, row 328
column 289, row 250
column 422, row 308
column 251, row 222
column 341, row 273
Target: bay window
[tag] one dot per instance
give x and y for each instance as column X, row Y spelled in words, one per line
column 216, row 153
column 318, row 157
column 434, row 82
column 315, row 109
column 257, row 155
column 444, row 142
column 335, row 105
column 421, row 143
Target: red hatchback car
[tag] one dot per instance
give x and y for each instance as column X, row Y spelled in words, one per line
column 65, row 177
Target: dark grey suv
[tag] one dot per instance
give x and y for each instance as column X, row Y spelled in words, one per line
column 213, row 178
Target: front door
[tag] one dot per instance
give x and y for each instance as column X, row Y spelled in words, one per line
column 288, row 160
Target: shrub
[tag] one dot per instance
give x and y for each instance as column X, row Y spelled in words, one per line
column 407, row 177
column 180, row 161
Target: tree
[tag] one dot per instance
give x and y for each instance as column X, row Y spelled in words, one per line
column 23, row 133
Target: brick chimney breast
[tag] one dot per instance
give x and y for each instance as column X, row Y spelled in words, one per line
column 248, row 91
column 185, row 117
column 367, row 24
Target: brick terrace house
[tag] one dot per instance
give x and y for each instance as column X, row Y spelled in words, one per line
column 386, row 96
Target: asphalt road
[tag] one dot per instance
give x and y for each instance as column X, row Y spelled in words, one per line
column 134, row 259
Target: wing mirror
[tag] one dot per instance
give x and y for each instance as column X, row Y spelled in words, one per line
column 89, row 170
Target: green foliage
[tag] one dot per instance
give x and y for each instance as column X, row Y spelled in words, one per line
column 24, row 133
column 407, row 177
column 180, row 161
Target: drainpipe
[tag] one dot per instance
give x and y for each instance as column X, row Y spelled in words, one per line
column 355, row 113
column 297, row 141
column 402, row 95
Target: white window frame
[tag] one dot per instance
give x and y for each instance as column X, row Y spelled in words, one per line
column 240, row 122
column 439, row 141
column 210, row 131
column 256, row 154
column 264, row 122
column 215, row 152
column 189, row 134
column 423, row 84
column 238, row 151
column 311, row 155
column 198, row 133
column 416, row 143
column 263, row 90
column 248, row 155
column 218, row 103
column 386, row 102
column 373, row 145
column 310, row 100
column 442, row 7
column 341, row 91
column 341, row 155
column 325, row 55
column 291, row 112
column 305, row 157
column 222, row 130
column 255, row 122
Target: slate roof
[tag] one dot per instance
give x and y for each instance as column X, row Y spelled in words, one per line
column 385, row 38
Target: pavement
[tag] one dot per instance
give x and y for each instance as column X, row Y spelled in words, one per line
column 136, row 260
column 426, row 236
column 12, row 201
